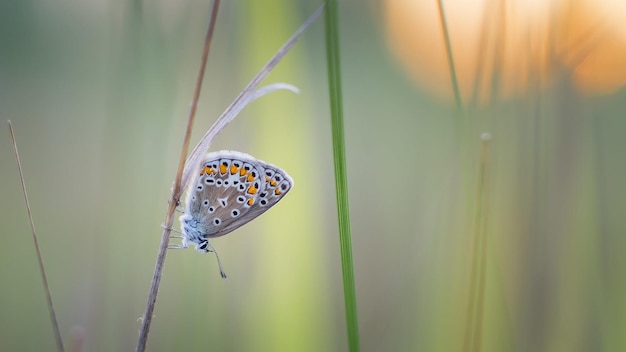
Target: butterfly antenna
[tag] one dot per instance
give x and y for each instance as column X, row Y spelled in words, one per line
column 219, row 262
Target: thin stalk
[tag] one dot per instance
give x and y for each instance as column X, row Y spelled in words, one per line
column 42, row 270
column 341, row 184
column 176, row 190
column 475, row 308
column 453, row 76
column 246, row 96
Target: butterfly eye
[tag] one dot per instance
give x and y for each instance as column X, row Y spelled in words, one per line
column 203, row 245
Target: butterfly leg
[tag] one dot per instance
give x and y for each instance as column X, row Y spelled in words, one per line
column 169, row 228
column 183, row 245
column 177, row 246
column 172, row 230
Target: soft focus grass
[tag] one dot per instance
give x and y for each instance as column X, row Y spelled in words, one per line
column 98, row 92
column 335, row 90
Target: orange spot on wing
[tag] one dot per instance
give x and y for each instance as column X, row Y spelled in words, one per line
column 223, row 169
column 243, row 171
column 250, row 177
column 277, row 192
column 250, row 201
column 252, row 189
column 273, row 183
column 233, row 169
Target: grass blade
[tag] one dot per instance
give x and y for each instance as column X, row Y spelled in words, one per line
column 44, row 278
column 341, row 184
column 446, row 37
column 246, row 96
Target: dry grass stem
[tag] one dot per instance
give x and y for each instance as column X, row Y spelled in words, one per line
column 42, row 270
column 176, row 190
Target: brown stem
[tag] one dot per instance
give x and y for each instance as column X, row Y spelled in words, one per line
column 176, row 190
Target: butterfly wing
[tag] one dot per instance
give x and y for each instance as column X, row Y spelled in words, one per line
column 232, row 189
column 275, row 185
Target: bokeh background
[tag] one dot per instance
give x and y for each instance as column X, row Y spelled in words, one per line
column 98, row 93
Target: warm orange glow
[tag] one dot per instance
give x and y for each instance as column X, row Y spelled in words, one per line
column 506, row 48
column 593, row 44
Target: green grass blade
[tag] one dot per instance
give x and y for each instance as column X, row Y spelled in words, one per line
column 453, row 77
column 341, row 184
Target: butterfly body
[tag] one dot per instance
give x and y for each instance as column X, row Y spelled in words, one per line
column 230, row 190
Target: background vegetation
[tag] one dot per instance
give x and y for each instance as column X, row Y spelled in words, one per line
column 98, row 93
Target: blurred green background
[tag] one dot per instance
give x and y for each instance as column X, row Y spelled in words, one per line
column 98, row 93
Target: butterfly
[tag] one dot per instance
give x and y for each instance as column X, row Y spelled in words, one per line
column 231, row 189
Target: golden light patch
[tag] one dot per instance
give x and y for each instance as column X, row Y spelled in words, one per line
column 592, row 44
column 510, row 44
